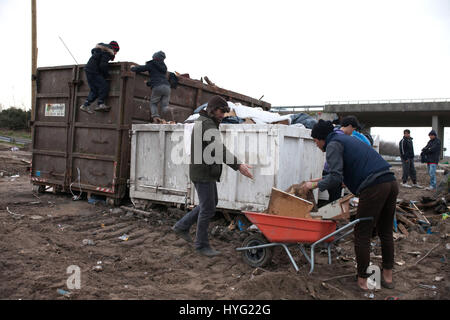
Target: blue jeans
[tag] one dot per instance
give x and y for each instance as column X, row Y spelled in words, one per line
column 432, row 173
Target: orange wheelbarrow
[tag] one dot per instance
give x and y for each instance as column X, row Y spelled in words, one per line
column 288, row 231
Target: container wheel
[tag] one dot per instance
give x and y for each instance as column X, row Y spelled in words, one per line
column 38, row 188
column 256, row 257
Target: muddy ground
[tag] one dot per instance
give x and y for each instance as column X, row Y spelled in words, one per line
column 41, row 235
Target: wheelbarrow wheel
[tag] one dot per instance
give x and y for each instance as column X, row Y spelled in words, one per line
column 257, row 257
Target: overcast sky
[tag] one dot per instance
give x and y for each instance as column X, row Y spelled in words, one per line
column 292, row 52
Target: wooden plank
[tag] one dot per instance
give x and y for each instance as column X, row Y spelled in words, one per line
column 420, row 214
column 402, row 229
column 288, row 205
column 405, row 220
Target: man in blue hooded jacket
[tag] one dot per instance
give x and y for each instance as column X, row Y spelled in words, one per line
column 367, row 175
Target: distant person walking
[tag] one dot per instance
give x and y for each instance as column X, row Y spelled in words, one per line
column 430, row 155
column 97, row 73
column 407, row 155
column 159, row 84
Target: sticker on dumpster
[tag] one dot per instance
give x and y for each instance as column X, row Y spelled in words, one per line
column 55, row 109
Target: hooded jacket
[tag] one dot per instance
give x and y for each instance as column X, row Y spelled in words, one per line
column 406, row 148
column 98, row 63
column 199, row 170
column 157, row 70
column 432, row 151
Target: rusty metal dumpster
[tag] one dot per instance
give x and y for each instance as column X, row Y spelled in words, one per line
column 73, row 151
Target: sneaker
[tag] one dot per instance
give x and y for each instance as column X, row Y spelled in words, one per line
column 415, row 185
column 102, row 107
column 208, row 251
column 157, row 120
column 430, row 188
column 86, row 109
column 183, row 234
column 405, row 185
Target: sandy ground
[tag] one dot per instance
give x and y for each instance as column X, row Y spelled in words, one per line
column 41, row 235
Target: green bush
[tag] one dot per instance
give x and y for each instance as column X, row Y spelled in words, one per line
column 14, row 119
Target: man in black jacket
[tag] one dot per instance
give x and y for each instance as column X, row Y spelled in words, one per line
column 407, row 155
column 431, row 155
column 158, row 82
column 96, row 73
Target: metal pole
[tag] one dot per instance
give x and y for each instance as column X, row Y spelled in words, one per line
column 34, row 53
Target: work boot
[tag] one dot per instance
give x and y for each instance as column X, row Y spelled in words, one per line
column 208, row 251
column 183, row 234
column 102, row 107
column 86, row 109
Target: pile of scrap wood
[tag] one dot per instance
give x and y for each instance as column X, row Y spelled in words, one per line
column 410, row 214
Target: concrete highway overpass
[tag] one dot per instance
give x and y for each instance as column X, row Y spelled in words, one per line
column 433, row 113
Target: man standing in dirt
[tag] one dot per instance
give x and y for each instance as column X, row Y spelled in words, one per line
column 367, row 175
column 430, row 155
column 205, row 170
column 407, row 155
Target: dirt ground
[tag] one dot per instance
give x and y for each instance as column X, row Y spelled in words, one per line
column 41, row 235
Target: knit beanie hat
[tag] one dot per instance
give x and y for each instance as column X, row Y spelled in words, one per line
column 217, row 102
column 432, row 133
column 160, row 55
column 322, row 129
column 115, row 46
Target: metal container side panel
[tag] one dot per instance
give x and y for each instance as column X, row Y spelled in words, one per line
column 289, row 162
column 256, row 145
column 100, row 141
column 50, row 126
column 159, row 168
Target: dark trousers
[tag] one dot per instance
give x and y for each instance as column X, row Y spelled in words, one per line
column 379, row 202
column 408, row 170
column 208, row 199
column 99, row 88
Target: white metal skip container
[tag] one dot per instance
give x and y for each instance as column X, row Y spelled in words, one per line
column 280, row 155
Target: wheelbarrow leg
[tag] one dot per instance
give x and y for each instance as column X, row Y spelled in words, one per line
column 313, row 246
column 290, row 256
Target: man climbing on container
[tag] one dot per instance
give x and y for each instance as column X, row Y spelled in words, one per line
column 159, row 84
column 367, row 175
column 207, row 155
column 97, row 74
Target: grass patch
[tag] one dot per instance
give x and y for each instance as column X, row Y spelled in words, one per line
column 16, row 134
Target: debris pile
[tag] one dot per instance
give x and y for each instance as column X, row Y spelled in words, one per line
column 410, row 215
